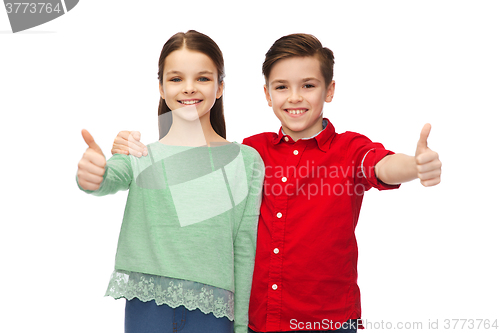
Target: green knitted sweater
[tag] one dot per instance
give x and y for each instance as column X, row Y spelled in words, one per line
column 191, row 214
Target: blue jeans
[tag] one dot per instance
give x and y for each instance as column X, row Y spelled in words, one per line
column 147, row 317
column 348, row 327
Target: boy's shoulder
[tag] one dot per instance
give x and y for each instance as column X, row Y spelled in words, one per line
column 350, row 136
column 247, row 150
column 346, row 140
column 261, row 138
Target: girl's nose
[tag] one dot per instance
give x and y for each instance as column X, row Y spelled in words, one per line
column 189, row 88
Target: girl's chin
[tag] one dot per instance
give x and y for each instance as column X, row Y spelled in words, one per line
column 189, row 113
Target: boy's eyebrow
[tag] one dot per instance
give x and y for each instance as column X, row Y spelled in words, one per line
column 309, row 79
column 303, row 80
column 278, row 81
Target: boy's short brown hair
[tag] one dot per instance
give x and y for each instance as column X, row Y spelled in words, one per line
column 299, row 45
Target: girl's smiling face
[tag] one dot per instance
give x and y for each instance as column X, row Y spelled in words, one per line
column 296, row 91
column 190, row 80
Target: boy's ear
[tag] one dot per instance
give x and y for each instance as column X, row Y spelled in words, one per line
column 268, row 96
column 330, row 91
column 161, row 90
column 220, row 90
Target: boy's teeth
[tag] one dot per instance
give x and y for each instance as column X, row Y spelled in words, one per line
column 296, row 111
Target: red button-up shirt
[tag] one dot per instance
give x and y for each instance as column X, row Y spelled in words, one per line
column 306, row 261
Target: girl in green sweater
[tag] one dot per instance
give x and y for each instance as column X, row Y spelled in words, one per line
column 186, row 250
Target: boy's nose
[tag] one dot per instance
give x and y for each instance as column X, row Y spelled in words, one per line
column 294, row 98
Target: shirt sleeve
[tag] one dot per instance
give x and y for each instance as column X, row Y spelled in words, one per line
column 117, row 176
column 365, row 155
column 245, row 245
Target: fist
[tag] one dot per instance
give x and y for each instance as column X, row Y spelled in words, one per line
column 127, row 142
column 427, row 160
column 92, row 165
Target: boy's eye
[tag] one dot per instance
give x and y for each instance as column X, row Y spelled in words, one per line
column 280, row 87
column 308, row 86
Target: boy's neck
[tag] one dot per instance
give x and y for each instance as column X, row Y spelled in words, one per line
column 307, row 133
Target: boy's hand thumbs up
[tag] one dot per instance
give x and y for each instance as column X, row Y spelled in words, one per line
column 422, row 142
column 428, row 163
column 92, row 165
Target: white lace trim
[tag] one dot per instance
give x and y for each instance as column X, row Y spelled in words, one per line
column 173, row 292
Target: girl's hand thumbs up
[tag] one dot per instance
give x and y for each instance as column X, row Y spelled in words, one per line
column 92, row 165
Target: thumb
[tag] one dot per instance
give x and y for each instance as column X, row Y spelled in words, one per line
column 136, row 135
column 89, row 140
column 422, row 142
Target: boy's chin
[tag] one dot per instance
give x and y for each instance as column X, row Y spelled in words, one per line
column 302, row 128
column 297, row 125
column 296, row 129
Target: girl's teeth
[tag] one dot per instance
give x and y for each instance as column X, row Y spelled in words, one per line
column 189, row 102
column 296, row 111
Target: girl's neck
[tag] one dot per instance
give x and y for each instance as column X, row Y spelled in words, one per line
column 192, row 133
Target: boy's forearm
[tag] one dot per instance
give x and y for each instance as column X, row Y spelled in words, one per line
column 396, row 169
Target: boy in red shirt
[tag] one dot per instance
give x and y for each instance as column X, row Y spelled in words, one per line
column 305, row 275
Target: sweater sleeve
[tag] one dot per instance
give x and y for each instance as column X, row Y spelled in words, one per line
column 245, row 246
column 117, row 176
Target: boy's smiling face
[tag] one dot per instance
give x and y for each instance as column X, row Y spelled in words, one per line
column 296, row 91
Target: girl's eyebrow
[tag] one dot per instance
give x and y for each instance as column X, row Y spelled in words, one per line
column 199, row 73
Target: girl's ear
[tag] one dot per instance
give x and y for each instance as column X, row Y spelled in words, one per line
column 220, row 90
column 330, row 91
column 161, row 90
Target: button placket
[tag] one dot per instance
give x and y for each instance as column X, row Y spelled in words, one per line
column 291, row 159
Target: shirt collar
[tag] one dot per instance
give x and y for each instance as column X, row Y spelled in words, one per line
column 323, row 137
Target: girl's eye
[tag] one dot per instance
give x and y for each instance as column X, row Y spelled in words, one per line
column 204, row 79
column 175, row 79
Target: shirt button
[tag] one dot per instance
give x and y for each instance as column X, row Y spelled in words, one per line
column 275, row 286
column 276, row 251
column 286, row 138
column 295, row 152
column 283, row 179
column 279, row 215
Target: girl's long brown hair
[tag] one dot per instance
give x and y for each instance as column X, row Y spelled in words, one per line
column 194, row 41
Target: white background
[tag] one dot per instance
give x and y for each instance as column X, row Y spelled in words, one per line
column 425, row 253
